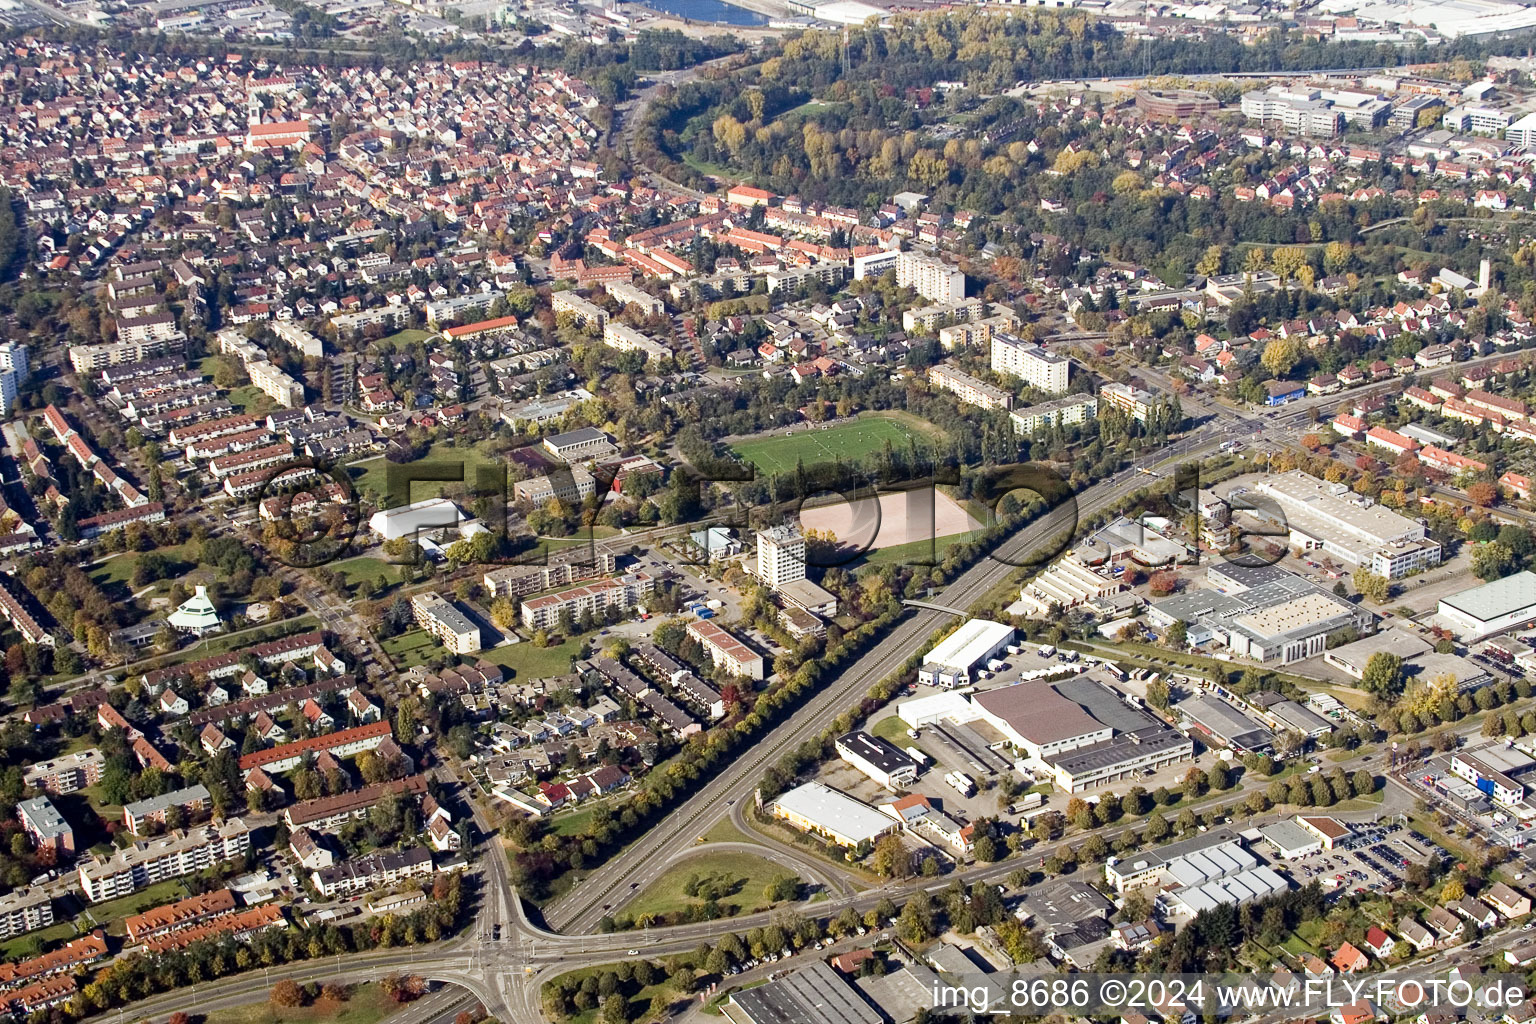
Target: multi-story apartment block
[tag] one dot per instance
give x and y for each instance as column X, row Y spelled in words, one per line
column 47, row 827
column 629, row 295
column 1127, row 399
column 97, row 357
column 377, row 869
column 149, row 861
column 930, row 277
column 969, row 389
column 330, row 813
column 66, row 774
column 725, row 651
column 1058, row 412
column 587, row 314
column 443, row 619
column 780, row 556
column 623, row 593
column 627, row 339
column 276, row 383
column 1045, row 371
column 562, row 568
column 141, row 814
column 25, row 910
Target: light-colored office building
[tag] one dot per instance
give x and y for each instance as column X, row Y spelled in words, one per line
column 1331, row 518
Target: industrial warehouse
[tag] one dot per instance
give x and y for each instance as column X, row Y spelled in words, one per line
column 1260, row 612
column 1081, row 732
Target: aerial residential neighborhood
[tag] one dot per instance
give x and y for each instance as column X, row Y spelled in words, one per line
column 765, row 509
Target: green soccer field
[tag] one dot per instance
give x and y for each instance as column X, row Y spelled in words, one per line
column 848, row 441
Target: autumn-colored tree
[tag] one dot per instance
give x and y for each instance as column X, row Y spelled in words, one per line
column 287, row 993
column 1312, row 442
column 1482, row 494
column 1163, row 583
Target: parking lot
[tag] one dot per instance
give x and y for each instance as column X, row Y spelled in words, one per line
column 1373, row 859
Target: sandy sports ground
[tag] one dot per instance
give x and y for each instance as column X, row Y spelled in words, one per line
column 896, row 518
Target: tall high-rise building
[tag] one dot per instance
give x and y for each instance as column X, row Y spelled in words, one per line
column 780, row 556
column 931, row 277
column 1032, row 364
column 14, row 370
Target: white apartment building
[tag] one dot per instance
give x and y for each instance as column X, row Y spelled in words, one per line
column 13, row 374
column 587, row 314
column 1127, row 399
column 275, row 383
column 629, row 295
column 155, row 860
column 95, row 358
column 930, row 277
column 443, row 619
column 726, row 651
column 874, row 264
column 627, row 339
column 1045, row 371
column 1060, row 412
column 362, row 874
column 969, row 389
column 24, row 910
column 780, row 556
column 622, row 593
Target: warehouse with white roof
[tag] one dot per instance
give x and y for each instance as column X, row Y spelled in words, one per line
column 1235, row 890
column 955, row 659
column 822, row 810
column 1504, row 604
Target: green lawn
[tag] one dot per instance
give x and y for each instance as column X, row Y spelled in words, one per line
column 905, row 554
column 723, row 831
column 372, row 476
column 365, row 568
column 748, row 876
column 411, row 648
column 846, row 441
column 407, row 336
column 529, row 662
column 251, row 399
column 576, row 822
column 365, row 1005
column 806, row 109
column 115, row 575
column 112, row 913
